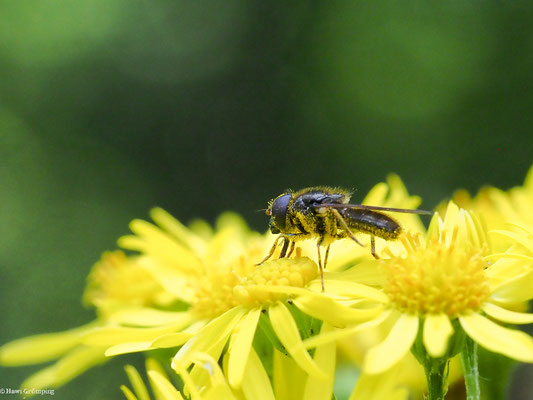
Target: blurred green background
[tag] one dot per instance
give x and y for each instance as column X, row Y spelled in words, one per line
column 110, row 107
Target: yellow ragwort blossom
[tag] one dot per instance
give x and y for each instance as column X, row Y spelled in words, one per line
column 288, row 382
column 216, row 274
column 451, row 275
column 226, row 292
column 116, row 283
column 199, row 289
column 497, row 208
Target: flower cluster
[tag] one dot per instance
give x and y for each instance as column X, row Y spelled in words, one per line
column 215, row 324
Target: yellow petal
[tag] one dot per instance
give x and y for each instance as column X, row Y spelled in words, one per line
column 365, row 272
column 511, row 317
column 225, row 245
column 505, row 267
column 161, row 342
column 40, row 348
column 286, row 290
column 189, row 386
column 386, row 385
column 515, row 290
column 201, row 372
column 233, row 221
column 451, row 219
column 168, row 275
column 333, row 336
column 109, row 336
column 477, row 234
column 518, row 237
column 153, row 240
column 256, row 385
column 127, row 392
column 146, row 317
column 528, row 182
column 399, row 341
column 218, row 387
column 288, row 334
column 153, row 365
column 131, row 347
column 325, row 358
column 137, row 383
column 377, row 194
column 164, row 387
column 289, row 379
column 65, row 369
column 437, row 331
column 178, row 230
column 511, row 343
column 327, row 309
column 210, row 336
column 354, row 289
column 171, row 340
column 508, row 254
column 240, row 345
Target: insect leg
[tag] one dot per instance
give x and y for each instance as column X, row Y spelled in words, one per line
column 326, row 256
column 285, row 247
column 293, row 243
column 373, row 247
column 318, row 244
column 350, row 234
column 272, row 250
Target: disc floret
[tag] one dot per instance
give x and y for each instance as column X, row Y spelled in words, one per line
column 437, row 278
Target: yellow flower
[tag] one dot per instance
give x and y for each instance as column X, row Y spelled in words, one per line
column 214, row 277
column 497, row 208
column 208, row 381
column 451, row 277
column 408, row 372
column 74, row 358
column 200, row 289
column 226, row 292
column 229, row 295
column 116, row 282
column 161, row 385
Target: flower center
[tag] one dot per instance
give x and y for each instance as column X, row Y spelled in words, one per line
column 437, row 278
column 238, row 283
column 119, row 279
column 295, row 272
column 213, row 293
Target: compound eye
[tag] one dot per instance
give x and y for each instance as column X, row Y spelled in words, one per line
column 279, row 210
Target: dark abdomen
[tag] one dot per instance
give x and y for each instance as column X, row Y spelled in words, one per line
column 371, row 222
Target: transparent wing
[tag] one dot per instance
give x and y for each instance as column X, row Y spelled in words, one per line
column 373, row 208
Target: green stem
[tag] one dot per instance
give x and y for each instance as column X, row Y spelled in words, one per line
column 436, row 369
column 470, row 367
column 436, row 379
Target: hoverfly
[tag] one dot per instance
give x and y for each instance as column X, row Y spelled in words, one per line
column 325, row 213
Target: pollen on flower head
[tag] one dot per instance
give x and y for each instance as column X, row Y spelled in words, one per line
column 234, row 283
column 213, row 293
column 118, row 279
column 436, row 278
column 295, row 272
